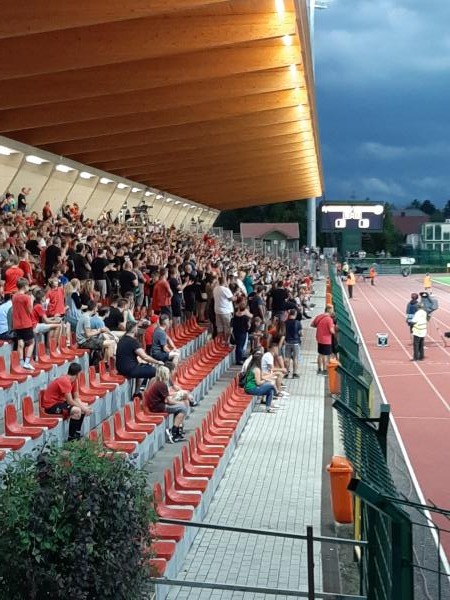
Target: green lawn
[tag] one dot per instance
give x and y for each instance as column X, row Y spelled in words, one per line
column 444, row 279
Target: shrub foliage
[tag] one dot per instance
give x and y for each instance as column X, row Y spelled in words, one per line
column 74, row 524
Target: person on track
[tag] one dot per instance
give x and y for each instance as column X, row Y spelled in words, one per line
column 411, row 309
column 419, row 331
column 350, row 282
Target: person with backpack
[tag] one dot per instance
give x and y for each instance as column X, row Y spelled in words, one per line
column 419, row 331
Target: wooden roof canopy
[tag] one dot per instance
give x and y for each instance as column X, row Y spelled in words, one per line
column 212, row 100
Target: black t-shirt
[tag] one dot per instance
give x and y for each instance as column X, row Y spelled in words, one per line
column 114, row 319
column 21, row 202
column 98, row 266
column 52, row 255
column 126, row 359
column 126, row 279
column 293, row 329
column 279, row 296
column 33, row 247
column 255, row 303
column 176, row 298
column 80, row 263
column 189, row 297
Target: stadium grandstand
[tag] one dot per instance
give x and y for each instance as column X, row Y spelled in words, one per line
column 228, row 377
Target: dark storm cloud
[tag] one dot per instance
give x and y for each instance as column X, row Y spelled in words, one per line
column 383, row 89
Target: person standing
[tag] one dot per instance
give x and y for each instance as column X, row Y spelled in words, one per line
column 325, row 330
column 22, row 323
column 293, row 340
column 427, row 282
column 162, row 295
column 22, row 199
column 223, row 308
column 241, row 325
column 411, row 309
column 419, row 331
column 372, row 274
column 350, row 283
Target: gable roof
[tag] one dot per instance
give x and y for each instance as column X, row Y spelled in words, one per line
column 259, row 230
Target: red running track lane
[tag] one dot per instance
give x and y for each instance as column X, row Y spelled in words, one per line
column 418, row 392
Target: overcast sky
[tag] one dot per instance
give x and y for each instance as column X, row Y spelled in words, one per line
column 383, row 93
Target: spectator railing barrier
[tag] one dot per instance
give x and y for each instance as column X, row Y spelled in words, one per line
column 381, row 515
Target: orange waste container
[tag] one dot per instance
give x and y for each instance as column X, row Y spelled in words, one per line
column 328, row 288
column 340, row 470
column 329, row 299
column 334, row 379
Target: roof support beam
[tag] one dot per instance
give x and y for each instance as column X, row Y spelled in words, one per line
column 208, row 111
column 129, row 103
column 146, row 74
column 134, row 40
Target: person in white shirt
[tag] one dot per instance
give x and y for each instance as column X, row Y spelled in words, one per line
column 223, row 308
column 5, row 329
column 419, row 331
column 272, row 373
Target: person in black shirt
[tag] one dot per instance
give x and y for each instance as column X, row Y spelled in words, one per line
column 279, row 296
column 293, row 341
column 127, row 279
column 100, row 265
column 81, row 263
column 32, row 245
column 128, row 351
column 115, row 320
column 22, row 199
column 52, row 256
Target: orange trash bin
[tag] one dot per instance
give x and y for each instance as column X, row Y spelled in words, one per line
column 334, row 379
column 340, row 470
column 329, row 299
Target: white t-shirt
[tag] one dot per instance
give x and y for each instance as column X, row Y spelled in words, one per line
column 223, row 304
column 267, row 362
column 419, row 322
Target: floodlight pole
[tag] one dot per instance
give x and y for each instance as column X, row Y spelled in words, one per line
column 311, row 225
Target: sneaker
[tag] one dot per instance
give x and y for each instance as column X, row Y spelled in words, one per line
column 28, row 366
column 270, row 410
column 274, row 405
column 178, row 437
column 319, row 371
column 169, row 436
column 295, row 376
column 284, row 394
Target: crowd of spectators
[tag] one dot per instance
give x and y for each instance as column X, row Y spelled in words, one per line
column 117, row 289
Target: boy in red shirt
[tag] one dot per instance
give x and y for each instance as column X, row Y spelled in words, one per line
column 12, row 276
column 22, row 323
column 61, row 396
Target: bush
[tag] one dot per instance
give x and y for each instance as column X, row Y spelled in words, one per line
column 74, row 524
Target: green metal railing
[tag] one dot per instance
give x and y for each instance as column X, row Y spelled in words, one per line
column 387, row 564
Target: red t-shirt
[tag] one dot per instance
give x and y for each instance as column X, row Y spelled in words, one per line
column 324, row 326
column 155, row 397
column 12, row 275
column 161, row 294
column 148, row 336
column 27, row 270
column 56, row 306
column 22, row 311
column 56, row 391
column 38, row 313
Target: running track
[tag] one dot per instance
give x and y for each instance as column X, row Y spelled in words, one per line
column 418, row 392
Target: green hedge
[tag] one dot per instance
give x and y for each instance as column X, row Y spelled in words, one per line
column 74, row 524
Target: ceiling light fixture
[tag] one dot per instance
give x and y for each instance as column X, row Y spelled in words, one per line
column 177, row 201
column 168, row 200
column 287, row 40
column 35, row 160
column 279, row 6
column 64, row 168
column 159, row 197
column 7, row 151
column 86, row 175
column 105, row 180
column 147, row 193
column 135, row 190
column 122, row 186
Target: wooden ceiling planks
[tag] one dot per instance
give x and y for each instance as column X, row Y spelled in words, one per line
column 211, row 99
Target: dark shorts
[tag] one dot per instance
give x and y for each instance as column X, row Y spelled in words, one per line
column 324, row 349
column 62, row 408
column 27, row 335
column 93, row 343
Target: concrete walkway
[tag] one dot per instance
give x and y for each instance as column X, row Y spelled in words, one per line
column 274, row 481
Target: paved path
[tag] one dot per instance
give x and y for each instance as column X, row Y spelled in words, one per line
column 274, row 481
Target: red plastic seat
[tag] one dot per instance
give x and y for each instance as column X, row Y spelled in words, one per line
column 192, row 470
column 132, row 425
column 95, row 385
column 158, row 566
column 44, row 358
column 204, row 448
column 32, row 420
column 175, row 497
column 142, row 417
column 106, row 377
column 218, row 424
column 71, row 350
column 213, row 437
column 164, row 548
column 2, row 454
column 12, row 427
column 113, row 444
column 11, row 443
column 198, row 458
column 166, row 531
column 169, row 512
column 9, row 376
column 181, row 482
column 55, row 352
column 17, row 369
column 126, row 436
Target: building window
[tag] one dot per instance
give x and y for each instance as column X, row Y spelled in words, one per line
column 438, row 232
column 446, row 235
column 429, row 232
column 445, row 247
column 429, row 246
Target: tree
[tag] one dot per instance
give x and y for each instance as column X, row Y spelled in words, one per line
column 74, row 524
column 446, row 210
column 428, row 207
